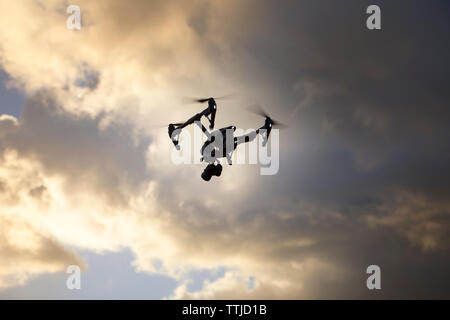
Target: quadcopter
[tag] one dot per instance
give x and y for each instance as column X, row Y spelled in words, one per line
column 220, row 143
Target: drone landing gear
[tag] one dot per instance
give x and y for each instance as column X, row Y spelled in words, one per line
column 173, row 133
column 211, row 170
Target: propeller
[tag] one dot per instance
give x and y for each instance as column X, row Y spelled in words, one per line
column 257, row 109
column 166, row 125
column 202, row 100
column 278, row 124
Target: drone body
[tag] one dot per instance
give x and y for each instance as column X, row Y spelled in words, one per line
column 220, row 143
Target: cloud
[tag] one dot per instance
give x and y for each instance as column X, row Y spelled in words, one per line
column 85, row 167
column 87, row 151
column 26, row 250
column 7, row 124
column 419, row 218
column 46, row 181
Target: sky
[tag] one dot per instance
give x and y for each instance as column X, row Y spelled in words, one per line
column 86, row 176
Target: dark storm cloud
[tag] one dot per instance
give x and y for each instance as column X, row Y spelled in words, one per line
column 379, row 113
column 90, row 152
column 369, row 121
column 364, row 165
column 88, row 79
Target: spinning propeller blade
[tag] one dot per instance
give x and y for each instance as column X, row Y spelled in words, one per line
column 166, row 125
column 202, row 100
column 257, row 109
column 279, row 125
column 225, row 97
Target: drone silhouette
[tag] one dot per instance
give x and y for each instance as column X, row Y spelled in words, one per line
column 220, row 143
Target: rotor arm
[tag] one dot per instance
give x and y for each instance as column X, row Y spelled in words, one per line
column 204, row 130
column 248, row 137
column 265, row 133
column 174, row 135
column 175, row 129
column 191, row 120
column 213, row 117
column 229, row 160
